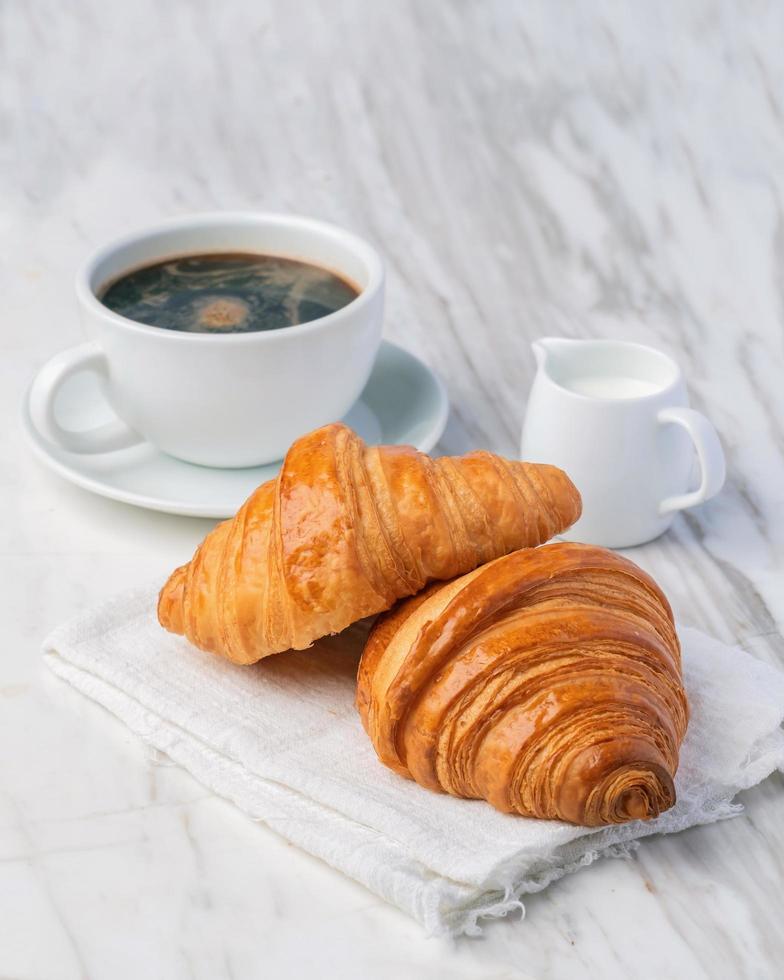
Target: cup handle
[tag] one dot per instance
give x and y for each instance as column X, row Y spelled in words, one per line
column 101, row 439
column 709, row 452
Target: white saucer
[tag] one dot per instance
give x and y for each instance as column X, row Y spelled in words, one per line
column 402, row 403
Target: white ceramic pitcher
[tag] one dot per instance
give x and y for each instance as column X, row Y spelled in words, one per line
column 615, row 416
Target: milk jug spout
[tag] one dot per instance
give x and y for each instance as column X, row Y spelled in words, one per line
column 547, row 351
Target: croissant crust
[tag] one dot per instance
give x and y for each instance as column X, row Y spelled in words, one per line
column 547, row 682
column 345, row 530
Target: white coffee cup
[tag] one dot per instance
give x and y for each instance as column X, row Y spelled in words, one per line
column 616, row 417
column 229, row 400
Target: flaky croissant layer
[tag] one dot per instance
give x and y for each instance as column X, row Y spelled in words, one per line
column 345, row 530
column 547, row 682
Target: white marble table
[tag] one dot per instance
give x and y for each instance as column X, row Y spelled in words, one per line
column 526, row 169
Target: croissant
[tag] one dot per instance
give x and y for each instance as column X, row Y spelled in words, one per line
column 345, row 530
column 547, row 682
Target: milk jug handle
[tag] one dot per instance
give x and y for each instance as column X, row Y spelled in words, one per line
column 709, row 453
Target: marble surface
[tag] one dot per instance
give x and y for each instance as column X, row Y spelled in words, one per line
column 581, row 169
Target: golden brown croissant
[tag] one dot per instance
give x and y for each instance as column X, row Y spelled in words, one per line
column 547, row 682
column 344, row 531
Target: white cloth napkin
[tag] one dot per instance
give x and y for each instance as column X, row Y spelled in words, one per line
column 283, row 741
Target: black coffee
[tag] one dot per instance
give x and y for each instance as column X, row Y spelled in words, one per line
column 228, row 293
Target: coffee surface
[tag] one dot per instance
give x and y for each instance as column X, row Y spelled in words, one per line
column 228, row 293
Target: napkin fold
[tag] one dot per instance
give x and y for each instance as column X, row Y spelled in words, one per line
column 283, row 741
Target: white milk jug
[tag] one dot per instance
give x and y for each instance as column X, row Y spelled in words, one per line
column 615, row 416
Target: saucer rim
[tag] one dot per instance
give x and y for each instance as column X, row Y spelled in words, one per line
column 73, row 475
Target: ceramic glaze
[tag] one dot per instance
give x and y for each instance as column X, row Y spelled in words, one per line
column 616, row 417
column 404, row 402
column 219, row 399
